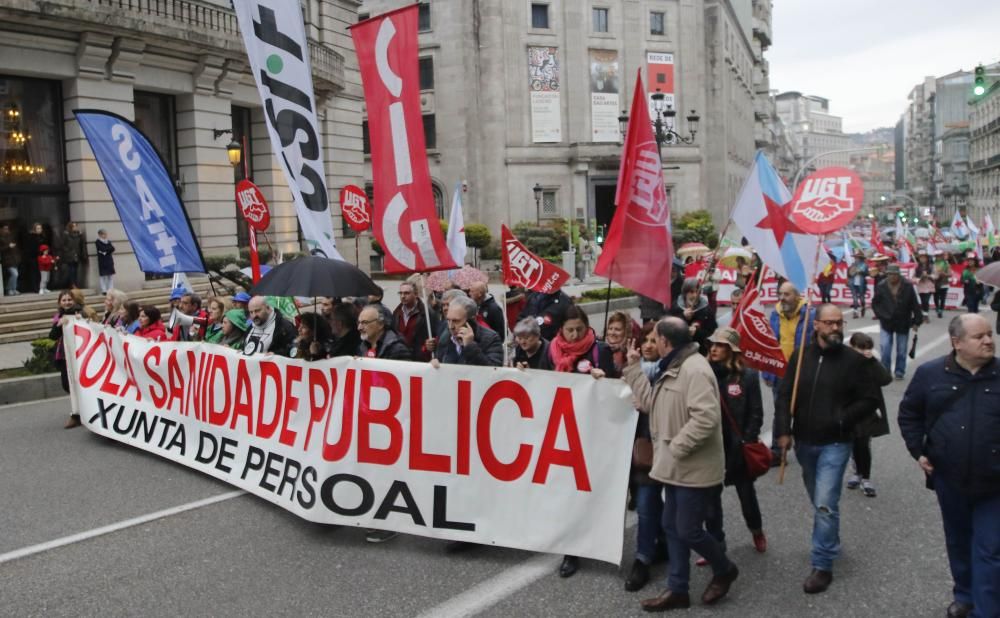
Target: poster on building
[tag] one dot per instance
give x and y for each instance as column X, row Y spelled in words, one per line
column 543, row 84
column 604, row 90
column 660, row 78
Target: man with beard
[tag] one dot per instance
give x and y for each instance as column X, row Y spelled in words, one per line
column 269, row 332
column 835, row 393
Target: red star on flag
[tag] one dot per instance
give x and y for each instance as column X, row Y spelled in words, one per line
column 777, row 221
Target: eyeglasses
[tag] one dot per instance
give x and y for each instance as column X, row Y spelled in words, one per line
column 833, row 323
column 366, row 322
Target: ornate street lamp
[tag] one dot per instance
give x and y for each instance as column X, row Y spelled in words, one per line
column 233, row 150
column 538, row 189
column 663, row 130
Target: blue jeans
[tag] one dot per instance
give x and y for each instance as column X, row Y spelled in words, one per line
column 857, row 297
column 684, row 513
column 973, row 539
column 823, row 468
column 11, row 286
column 649, row 532
column 885, row 339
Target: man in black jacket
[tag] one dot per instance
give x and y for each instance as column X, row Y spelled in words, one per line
column 489, row 311
column 269, row 332
column 950, row 420
column 897, row 308
column 834, row 394
column 466, row 342
column 378, row 340
column 549, row 310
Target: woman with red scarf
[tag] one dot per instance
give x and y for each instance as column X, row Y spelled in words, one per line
column 575, row 349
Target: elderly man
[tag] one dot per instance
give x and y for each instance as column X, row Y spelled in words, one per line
column 835, row 393
column 190, row 305
column 490, row 312
column 532, row 351
column 466, row 342
column 685, row 421
column 410, row 319
column 950, row 420
column 270, row 332
column 378, row 340
column 897, row 308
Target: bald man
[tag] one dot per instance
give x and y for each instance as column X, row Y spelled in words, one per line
column 270, row 332
column 489, row 311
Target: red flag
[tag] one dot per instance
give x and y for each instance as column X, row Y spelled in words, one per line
column 405, row 222
column 876, row 240
column 757, row 341
column 523, row 268
column 639, row 251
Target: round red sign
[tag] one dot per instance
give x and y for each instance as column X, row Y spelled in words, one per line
column 354, row 206
column 253, row 205
column 827, row 200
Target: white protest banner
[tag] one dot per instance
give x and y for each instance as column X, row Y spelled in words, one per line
column 275, row 38
column 525, row 459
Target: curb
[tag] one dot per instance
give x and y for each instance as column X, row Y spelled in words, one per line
column 31, row 388
column 617, row 304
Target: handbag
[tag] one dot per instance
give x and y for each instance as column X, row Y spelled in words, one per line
column 642, row 453
column 756, row 454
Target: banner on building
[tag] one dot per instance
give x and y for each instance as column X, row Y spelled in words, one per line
column 543, row 85
column 148, row 205
column 604, row 89
column 275, row 39
column 660, row 75
column 498, row 456
column 405, row 222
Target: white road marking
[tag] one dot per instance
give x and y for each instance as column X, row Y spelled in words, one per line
column 32, row 403
column 128, row 523
column 921, row 350
column 872, row 328
column 486, row 594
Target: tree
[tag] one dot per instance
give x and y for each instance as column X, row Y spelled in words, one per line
column 477, row 236
column 695, row 226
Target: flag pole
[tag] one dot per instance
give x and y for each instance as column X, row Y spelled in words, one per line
column 798, row 363
column 427, row 305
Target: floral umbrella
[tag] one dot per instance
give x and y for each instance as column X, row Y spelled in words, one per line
column 442, row 280
column 693, row 248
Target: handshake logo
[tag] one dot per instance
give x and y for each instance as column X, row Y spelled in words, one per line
column 824, row 199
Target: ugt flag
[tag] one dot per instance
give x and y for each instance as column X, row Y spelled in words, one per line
column 760, row 347
column 639, row 250
column 525, row 269
column 143, row 192
column 275, row 38
column 761, row 215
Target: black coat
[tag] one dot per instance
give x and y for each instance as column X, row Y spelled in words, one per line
column 897, row 314
column 703, row 319
column 549, row 310
column 391, row 346
column 492, row 314
column 953, row 418
column 877, row 423
column 105, row 261
column 486, row 349
column 835, row 393
column 346, row 345
column 741, row 396
column 539, row 361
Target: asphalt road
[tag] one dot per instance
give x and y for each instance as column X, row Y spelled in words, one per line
column 238, row 555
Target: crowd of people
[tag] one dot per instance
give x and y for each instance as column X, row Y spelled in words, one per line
column 699, row 403
column 39, row 260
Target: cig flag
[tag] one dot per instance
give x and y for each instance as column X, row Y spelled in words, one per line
column 523, row 268
column 456, row 228
column 148, row 205
column 405, row 221
column 275, row 39
column 762, row 217
column 639, row 250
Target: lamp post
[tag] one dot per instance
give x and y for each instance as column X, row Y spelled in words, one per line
column 538, row 189
column 663, row 130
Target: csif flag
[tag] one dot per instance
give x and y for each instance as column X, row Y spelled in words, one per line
column 148, row 205
column 639, row 250
column 760, row 347
column 405, row 222
column 456, row 228
column 523, row 268
column 275, row 39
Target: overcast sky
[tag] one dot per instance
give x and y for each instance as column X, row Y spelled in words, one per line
column 866, row 55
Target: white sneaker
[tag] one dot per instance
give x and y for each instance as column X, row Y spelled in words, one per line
column 853, row 481
column 868, row 488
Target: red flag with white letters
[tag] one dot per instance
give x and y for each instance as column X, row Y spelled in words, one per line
column 405, row 221
column 639, row 251
column 525, row 269
column 758, row 343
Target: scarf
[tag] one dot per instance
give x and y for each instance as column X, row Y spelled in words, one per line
column 565, row 354
column 650, row 368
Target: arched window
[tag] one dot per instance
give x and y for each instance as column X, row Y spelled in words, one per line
column 438, row 200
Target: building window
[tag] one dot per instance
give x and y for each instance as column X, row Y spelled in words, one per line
column 438, row 200
column 539, row 16
column 154, row 115
column 426, row 65
column 362, row 16
column 657, row 23
column 366, row 142
column 430, row 132
column 600, row 20
column 423, row 17
column 241, row 134
column 550, row 207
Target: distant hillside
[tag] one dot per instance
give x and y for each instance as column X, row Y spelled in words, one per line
column 884, row 135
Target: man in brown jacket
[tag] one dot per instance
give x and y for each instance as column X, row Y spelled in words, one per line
column 685, row 422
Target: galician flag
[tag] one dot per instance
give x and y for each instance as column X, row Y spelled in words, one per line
column 902, row 243
column 760, row 214
column 958, row 228
column 456, row 228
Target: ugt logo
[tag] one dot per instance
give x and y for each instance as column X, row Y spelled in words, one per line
column 525, row 268
column 824, row 199
column 648, row 203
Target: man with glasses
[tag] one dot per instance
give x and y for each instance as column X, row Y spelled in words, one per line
column 834, row 393
column 466, row 342
column 377, row 339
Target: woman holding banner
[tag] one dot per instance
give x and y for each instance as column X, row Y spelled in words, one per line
column 67, row 307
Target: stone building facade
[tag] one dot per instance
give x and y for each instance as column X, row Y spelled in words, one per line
column 813, row 129
column 179, row 70
column 524, row 93
column 984, row 153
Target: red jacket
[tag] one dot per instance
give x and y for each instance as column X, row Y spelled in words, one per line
column 45, row 263
column 154, row 332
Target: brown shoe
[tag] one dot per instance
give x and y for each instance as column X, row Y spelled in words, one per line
column 719, row 586
column 667, row 601
column 818, row 581
column 74, row 421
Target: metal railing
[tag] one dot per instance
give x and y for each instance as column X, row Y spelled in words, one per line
column 183, row 11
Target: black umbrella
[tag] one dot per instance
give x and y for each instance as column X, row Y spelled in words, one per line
column 316, row 276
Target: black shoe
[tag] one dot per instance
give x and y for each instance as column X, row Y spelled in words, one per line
column 775, row 459
column 638, row 578
column 569, row 566
column 959, row 610
column 818, row 581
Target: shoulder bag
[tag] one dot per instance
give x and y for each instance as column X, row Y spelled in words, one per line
column 756, row 455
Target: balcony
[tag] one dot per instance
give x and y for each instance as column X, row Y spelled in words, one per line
column 174, row 24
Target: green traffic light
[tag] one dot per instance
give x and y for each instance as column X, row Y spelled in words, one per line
column 979, row 90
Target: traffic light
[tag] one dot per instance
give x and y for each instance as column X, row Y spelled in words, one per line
column 979, row 85
column 900, row 214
